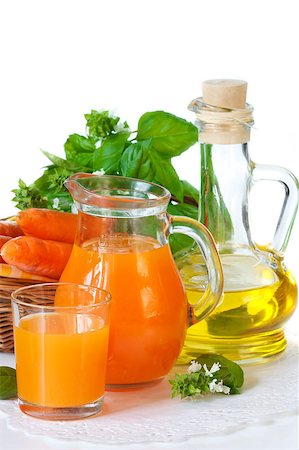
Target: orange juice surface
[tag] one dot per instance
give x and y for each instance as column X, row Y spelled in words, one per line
column 61, row 359
column 148, row 308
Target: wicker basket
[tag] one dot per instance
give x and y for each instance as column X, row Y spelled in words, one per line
column 7, row 286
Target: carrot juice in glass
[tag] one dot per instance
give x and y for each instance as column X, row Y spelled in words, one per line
column 61, row 352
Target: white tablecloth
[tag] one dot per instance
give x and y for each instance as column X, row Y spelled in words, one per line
column 264, row 416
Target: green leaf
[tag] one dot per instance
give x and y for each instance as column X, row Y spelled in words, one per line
column 183, row 209
column 171, row 135
column 189, row 384
column 80, row 150
column 29, row 197
column 60, row 162
column 52, row 180
column 51, row 185
column 233, row 322
column 8, row 383
column 108, row 155
column 213, row 211
column 135, row 161
column 166, row 175
column 179, row 242
column 230, row 372
column 190, row 191
column 100, row 124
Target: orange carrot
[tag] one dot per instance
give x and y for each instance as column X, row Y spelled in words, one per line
column 38, row 256
column 10, row 228
column 3, row 239
column 8, row 271
column 48, row 224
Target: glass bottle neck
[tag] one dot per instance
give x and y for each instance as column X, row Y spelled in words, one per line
column 223, row 207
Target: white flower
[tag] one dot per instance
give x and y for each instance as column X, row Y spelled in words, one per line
column 120, row 126
column 55, row 203
column 218, row 387
column 194, row 367
column 215, row 367
column 99, row 172
column 225, row 389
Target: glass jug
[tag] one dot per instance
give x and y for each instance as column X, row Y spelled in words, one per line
column 260, row 294
column 122, row 246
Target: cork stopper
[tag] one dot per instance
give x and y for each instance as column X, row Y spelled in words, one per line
column 223, row 116
column 230, row 94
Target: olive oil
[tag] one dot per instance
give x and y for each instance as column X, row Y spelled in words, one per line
column 247, row 325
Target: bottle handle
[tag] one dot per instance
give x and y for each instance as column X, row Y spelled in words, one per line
column 265, row 172
column 204, row 239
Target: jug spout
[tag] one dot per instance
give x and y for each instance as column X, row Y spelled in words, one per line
column 77, row 190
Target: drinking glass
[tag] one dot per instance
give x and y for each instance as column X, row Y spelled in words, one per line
column 61, row 351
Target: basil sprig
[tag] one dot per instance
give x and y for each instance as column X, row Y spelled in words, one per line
column 111, row 146
column 208, row 374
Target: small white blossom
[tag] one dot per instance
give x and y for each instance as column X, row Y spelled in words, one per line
column 55, row 203
column 99, row 172
column 194, row 367
column 120, row 126
column 215, row 367
column 225, row 389
column 218, row 387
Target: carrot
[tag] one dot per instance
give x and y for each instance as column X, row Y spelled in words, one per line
column 48, row 224
column 38, row 256
column 3, row 239
column 10, row 228
column 8, row 271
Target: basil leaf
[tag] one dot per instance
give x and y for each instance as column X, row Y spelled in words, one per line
column 108, row 155
column 8, row 383
column 230, row 372
column 80, row 150
column 52, row 180
column 135, row 161
column 190, row 191
column 233, row 322
column 179, row 242
column 29, row 197
column 183, row 209
column 60, row 162
column 100, row 124
column 171, row 135
column 166, row 175
column 189, row 385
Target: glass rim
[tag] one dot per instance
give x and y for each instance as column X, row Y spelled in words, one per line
column 14, row 299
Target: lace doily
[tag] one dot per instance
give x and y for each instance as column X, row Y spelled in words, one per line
column 150, row 415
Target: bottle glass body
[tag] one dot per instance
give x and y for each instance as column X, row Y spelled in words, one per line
column 260, row 294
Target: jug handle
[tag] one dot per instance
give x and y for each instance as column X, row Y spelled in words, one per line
column 265, row 172
column 204, row 239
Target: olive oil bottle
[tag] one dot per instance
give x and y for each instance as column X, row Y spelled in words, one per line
column 260, row 294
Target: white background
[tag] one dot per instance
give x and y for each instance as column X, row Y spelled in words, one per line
column 59, row 59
